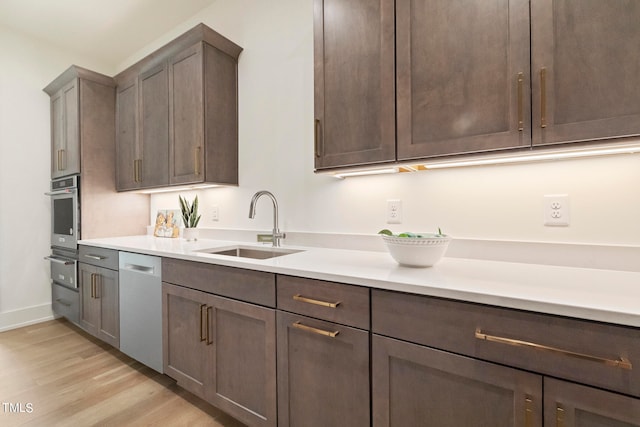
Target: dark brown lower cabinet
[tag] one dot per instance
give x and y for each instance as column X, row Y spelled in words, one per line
column 572, row 405
column 223, row 351
column 415, row 385
column 99, row 303
column 323, row 373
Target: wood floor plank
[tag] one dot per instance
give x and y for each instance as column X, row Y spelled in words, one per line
column 54, row 374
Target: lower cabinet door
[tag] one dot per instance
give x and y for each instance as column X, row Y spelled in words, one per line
column 323, row 373
column 415, row 385
column 185, row 345
column 107, row 294
column 89, row 304
column 243, row 339
column 572, row 405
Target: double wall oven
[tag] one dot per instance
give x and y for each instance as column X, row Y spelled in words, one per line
column 65, row 233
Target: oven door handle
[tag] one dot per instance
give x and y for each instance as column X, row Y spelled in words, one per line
column 60, row 260
column 57, row 193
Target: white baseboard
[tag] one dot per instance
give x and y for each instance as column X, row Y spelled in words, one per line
column 25, row 317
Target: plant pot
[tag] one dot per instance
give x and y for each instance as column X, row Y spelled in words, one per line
column 190, row 234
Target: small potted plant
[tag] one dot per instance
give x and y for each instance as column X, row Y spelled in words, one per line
column 190, row 218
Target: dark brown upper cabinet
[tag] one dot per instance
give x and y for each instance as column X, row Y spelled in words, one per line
column 177, row 114
column 586, row 73
column 475, row 77
column 462, row 76
column 77, row 97
column 354, row 82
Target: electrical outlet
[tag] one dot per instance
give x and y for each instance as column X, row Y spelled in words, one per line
column 556, row 210
column 215, row 213
column 394, row 211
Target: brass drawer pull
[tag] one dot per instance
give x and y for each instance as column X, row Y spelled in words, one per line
column 619, row 363
column 96, row 257
column 299, row 325
column 520, row 102
column 299, row 297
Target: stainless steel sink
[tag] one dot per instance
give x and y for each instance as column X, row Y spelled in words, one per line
column 250, row 252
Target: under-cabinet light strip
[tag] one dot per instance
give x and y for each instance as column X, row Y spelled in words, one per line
column 517, row 158
column 178, row 188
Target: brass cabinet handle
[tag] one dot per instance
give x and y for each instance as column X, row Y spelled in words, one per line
column 63, row 159
column 316, row 138
column 299, row 297
column 196, row 159
column 98, row 281
column 93, row 281
column 619, row 363
column 202, row 312
column 543, row 97
column 209, row 339
column 520, row 102
column 559, row 416
column 299, row 325
column 59, row 161
column 528, row 411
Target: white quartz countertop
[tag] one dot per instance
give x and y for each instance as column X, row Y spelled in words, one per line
column 603, row 295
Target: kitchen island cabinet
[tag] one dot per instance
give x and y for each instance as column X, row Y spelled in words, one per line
column 221, row 349
column 178, row 114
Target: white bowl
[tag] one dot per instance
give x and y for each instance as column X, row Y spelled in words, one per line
column 417, row 251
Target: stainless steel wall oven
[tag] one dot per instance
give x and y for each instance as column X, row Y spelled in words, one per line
column 65, row 233
column 65, row 212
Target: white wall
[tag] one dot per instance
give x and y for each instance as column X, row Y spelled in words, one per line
column 27, row 67
column 276, row 132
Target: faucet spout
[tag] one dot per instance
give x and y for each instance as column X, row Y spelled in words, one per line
column 276, row 233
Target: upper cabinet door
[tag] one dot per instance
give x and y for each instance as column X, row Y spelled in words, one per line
column 153, row 98
column 586, row 82
column 186, row 113
column 354, row 82
column 462, row 76
column 127, row 165
column 65, row 131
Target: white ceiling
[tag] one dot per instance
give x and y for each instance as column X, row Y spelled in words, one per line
column 109, row 30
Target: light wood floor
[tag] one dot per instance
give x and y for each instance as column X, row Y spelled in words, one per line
column 68, row 378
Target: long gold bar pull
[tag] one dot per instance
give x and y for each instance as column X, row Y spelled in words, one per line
column 316, row 138
column 543, row 97
column 209, row 339
column 98, row 292
column 622, row 362
column 58, row 160
column 331, row 334
column 559, row 416
column 528, row 411
column 93, row 285
column 196, row 160
column 299, row 297
column 520, row 102
column 63, row 159
column 202, row 315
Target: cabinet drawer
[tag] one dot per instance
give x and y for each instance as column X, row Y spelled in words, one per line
column 100, row 257
column 593, row 353
column 334, row 302
column 245, row 285
column 65, row 302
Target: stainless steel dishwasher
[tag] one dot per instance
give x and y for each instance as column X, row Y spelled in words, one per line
column 141, row 308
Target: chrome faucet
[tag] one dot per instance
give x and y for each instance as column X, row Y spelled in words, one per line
column 276, row 234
